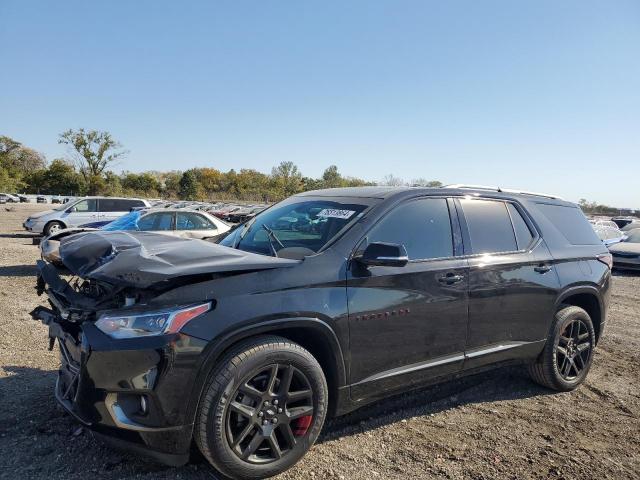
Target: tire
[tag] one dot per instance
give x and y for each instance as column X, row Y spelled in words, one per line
column 52, row 227
column 232, row 408
column 567, row 356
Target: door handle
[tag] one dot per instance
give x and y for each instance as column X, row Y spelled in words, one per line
column 451, row 278
column 542, row 268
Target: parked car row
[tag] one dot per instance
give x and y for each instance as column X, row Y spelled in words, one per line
column 621, row 235
column 9, row 198
column 229, row 212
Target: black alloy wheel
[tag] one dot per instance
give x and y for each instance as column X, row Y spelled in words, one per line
column 269, row 412
column 261, row 409
column 568, row 353
column 573, row 351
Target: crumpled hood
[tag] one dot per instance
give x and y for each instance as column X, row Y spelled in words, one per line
column 141, row 259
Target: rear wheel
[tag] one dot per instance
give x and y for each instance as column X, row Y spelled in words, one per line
column 568, row 354
column 52, row 228
column 262, row 409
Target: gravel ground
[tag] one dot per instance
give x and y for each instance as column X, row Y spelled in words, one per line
column 495, row 425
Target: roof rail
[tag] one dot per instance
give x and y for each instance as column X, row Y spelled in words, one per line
column 498, row 189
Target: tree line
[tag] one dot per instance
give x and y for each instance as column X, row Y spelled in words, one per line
column 88, row 170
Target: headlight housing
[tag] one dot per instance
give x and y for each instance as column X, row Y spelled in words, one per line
column 144, row 324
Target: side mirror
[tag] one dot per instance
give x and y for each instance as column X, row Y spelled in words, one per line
column 384, row 255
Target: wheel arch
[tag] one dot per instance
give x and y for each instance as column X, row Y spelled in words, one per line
column 587, row 298
column 54, row 220
column 311, row 333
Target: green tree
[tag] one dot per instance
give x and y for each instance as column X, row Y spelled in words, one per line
column 16, row 162
column 112, row 184
column 60, row 178
column 287, row 179
column 170, row 183
column 331, row 178
column 189, row 185
column 141, row 183
column 93, row 151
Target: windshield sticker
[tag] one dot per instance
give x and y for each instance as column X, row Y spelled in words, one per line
column 334, row 213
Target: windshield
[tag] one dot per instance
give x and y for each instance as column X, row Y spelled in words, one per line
column 300, row 227
column 125, row 222
column 64, row 206
column 633, row 236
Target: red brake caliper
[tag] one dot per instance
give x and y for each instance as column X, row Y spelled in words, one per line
column 302, row 425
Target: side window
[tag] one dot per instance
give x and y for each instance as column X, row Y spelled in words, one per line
column 107, row 205
column 422, row 226
column 571, row 222
column 123, row 205
column 489, row 226
column 88, row 205
column 523, row 234
column 193, row 221
column 155, row 222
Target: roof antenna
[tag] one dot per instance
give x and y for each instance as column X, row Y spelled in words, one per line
column 499, row 190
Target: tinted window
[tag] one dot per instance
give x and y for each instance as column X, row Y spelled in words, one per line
column 523, row 234
column 489, row 226
column 193, row 221
column 118, row 204
column 571, row 222
column 156, row 222
column 85, row 206
column 108, row 205
column 129, row 204
column 422, row 226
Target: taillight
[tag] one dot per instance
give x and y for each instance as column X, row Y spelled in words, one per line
column 607, row 259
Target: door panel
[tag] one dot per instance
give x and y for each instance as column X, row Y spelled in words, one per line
column 512, row 286
column 509, row 302
column 82, row 212
column 408, row 324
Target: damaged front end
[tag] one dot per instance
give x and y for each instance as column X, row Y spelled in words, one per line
column 125, row 363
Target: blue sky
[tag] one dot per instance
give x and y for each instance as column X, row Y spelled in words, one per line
column 538, row 95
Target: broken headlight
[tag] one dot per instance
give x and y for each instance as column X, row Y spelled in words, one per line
column 143, row 324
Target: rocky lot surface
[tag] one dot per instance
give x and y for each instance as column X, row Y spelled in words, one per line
column 495, row 425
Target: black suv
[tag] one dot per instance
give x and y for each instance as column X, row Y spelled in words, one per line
column 324, row 302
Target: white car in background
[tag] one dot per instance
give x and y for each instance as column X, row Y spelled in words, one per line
column 9, row 198
column 176, row 222
column 81, row 211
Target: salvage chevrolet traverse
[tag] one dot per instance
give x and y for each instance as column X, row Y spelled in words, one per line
column 320, row 304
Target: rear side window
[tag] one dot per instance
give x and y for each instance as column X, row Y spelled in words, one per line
column 118, row 204
column 489, row 226
column 523, row 233
column 156, row 221
column 571, row 222
column 422, row 226
column 193, row 221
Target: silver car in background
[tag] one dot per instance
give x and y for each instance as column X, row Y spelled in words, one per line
column 176, row 222
column 81, row 211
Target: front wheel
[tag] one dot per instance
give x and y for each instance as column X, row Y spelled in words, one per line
column 262, row 408
column 568, row 354
column 52, row 228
